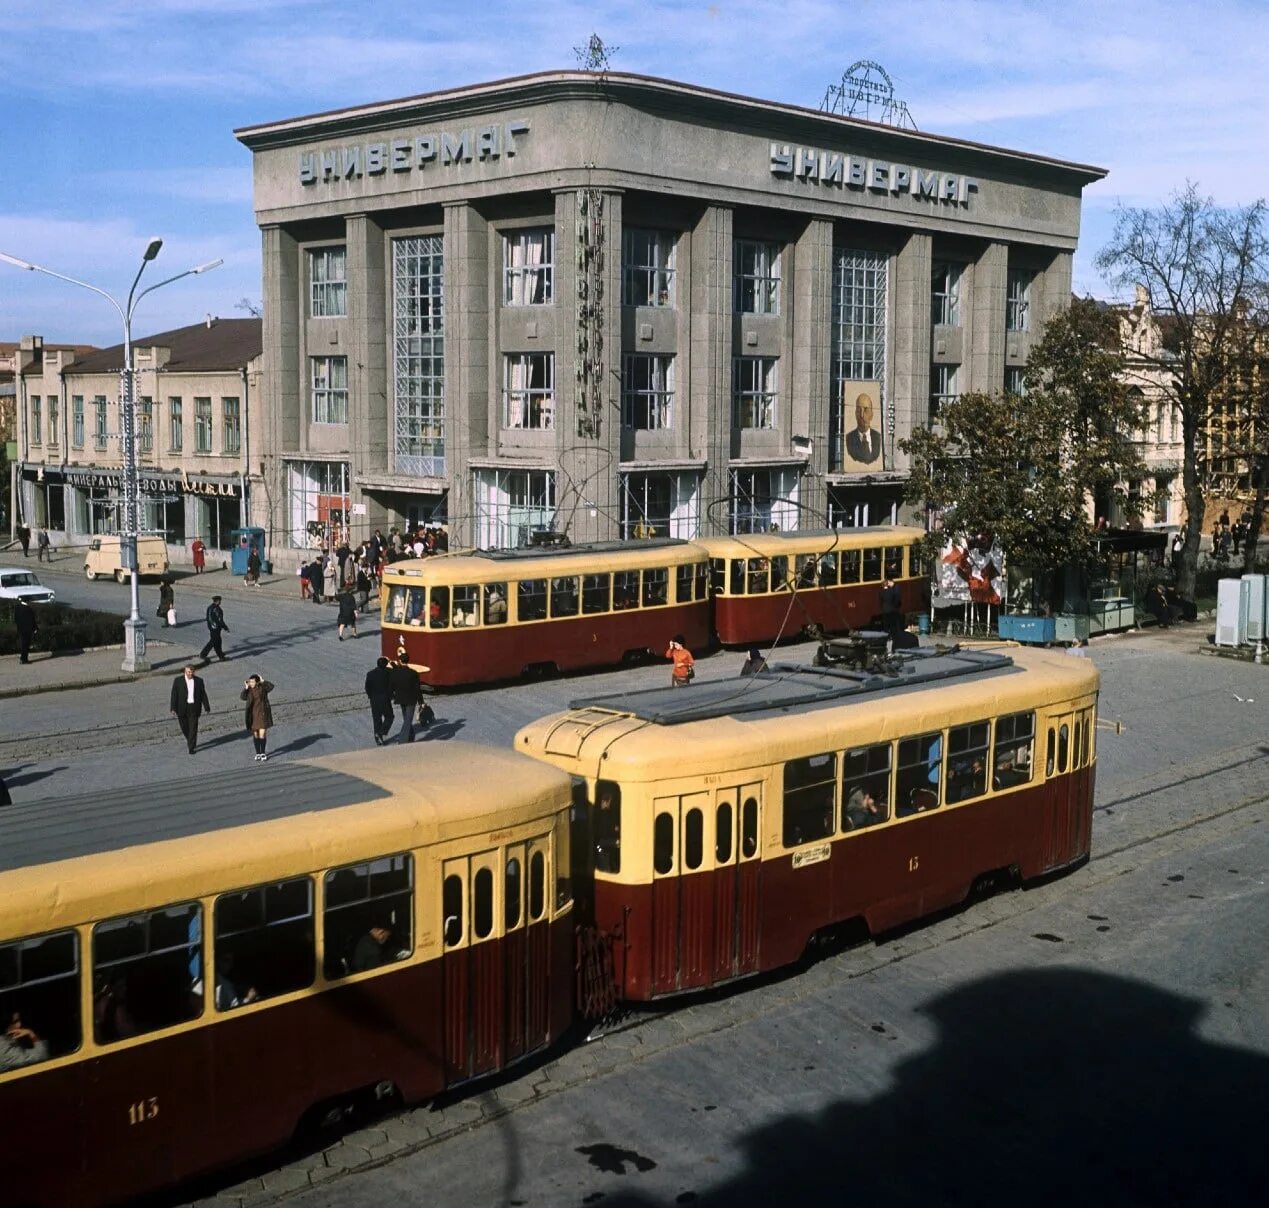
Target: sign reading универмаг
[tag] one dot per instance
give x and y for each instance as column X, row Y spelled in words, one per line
column 877, row 175
column 411, row 154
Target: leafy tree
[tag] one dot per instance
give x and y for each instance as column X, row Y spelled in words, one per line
column 1027, row 467
column 1204, row 270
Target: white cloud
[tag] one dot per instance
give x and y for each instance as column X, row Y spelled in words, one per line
column 215, row 184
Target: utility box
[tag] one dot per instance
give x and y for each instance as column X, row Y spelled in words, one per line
column 1257, row 604
column 1231, row 612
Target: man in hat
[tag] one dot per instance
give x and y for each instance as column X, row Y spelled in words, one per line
column 215, row 627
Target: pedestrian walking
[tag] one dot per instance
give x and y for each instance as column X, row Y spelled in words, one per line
column 24, row 539
column 44, row 549
column 258, row 716
column 27, row 625
column 329, row 574
column 167, row 603
column 215, row 627
column 379, row 693
column 189, row 702
column 891, row 609
column 253, row 568
column 363, row 589
column 315, row 580
column 406, row 692
column 347, row 613
column 684, row 670
column 199, row 550
column 754, row 663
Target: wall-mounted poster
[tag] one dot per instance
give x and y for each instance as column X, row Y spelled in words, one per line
column 861, row 416
column 972, row 571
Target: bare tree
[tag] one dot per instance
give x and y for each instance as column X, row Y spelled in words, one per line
column 1203, row 266
column 254, row 309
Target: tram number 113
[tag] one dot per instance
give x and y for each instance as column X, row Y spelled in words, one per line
column 139, row 1113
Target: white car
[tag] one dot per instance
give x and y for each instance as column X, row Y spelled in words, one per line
column 15, row 583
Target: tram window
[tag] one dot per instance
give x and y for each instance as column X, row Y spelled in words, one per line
column 147, row 972
column 438, row 608
column 512, row 889
column 656, row 584
column 894, row 561
column 722, row 833
column 1011, row 763
column 918, row 563
column 663, row 843
column 531, row 599
column 866, row 787
column 537, row 886
column 917, row 776
column 482, row 903
column 265, row 942
column 1048, row 755
column 872, row 564
column 625, row 589
column 810, row 791
column 779, row 572
column 737, row 584
column 466, row 605
column 396, row 605
column 363, row 902
column 759, row 576
column 452, row 910
column 1077, row 755
column 564, row 597
column 717, row 575
column 850, row 566
column 806, row 564
column 702, row 580
column 595, row 592
column 606, row 826
column 563, row 865
column 39, row 994
column 1088, row 740
column 495, row 603
column 749, row 828
column 1064, row 735
column 693, row 839
column 683, row 576
column 828, row 570
column 967, row 761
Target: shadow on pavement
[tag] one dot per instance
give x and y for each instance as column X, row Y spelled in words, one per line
column 440, row 730
column 16, row 780
column 298, row 744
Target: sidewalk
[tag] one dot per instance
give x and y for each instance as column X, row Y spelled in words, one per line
column 83, row 669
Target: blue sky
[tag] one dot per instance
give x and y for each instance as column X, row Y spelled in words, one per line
column 119, row 113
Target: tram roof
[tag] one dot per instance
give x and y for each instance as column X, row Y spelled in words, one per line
column 822, row 540
column 496, row 564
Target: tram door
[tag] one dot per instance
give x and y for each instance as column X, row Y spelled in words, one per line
column 1062, row 831
column 472, row 968
column 736, row 882
column 682, row 903
column 527, row 947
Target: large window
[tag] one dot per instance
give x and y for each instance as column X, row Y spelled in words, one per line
column 943, row 388
column 99, row 422
column 528, row 267
column 945, row 295
column 329, row 379
column 418, row 367
column 858, row 338
column 265, row 942
column 52, row 419
column 660, row 505
column 529, row 389
column 202, row 425
column 753, row 392
column 37, row 422
column 764, row 500
column 328, row 282
column 918, row 776
column 866, row 787
column 77, row 420
column 145, row 425
column 318, row 504
column 967, row 760
column 1018, row 300
column 39, row 999
column 368, row 915
column 1012, row 757
column 810, row 796
column 647, row 268
column 175, row 425
column 756, row 273
column 1016, row 380
column 511, row 505
column 231, row 432
column 647, row 392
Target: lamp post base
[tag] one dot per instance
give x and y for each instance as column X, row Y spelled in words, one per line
column 134, row 645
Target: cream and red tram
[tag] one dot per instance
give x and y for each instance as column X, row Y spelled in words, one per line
column 731, row 822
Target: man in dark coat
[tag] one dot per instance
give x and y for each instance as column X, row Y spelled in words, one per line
column 379, row 691
column 26, row 625
column 891, row 608
column 215, row 627
column 189, row 702
column 24, row 537
column 315, row 575
column 407, row 692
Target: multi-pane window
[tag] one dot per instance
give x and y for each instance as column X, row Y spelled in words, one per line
column 264, row 943
column 1018, row 299
column 368, row 915
column 328, row 282
column 858, row 336
column 967, row 761
column 175, row 424
column 866, row 787
column 1015, row 380
column 511, row 505
column 647, row 392
column 810, row 796
column 942, row 387
column 329, row 389
column 764, row 500
column 77, row 420
column 528, row 271
column 37, row 421
column 231, row 425
column 418, row 319
column 39, row 999
column 145, row 425
column 1012, row 758
column 202, row 425
column 756, row 273
column 647, row 268
column 99, row 421
column 660, row 505
column 945, row 294
column 918, row 775
column 753, row 392
column 52, row 418
column 529, row 389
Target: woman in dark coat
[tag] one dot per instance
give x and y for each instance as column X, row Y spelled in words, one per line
column 347, row 613
column 167, row 600
column 259, row 716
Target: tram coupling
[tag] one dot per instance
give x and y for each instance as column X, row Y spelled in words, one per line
column 866, row 650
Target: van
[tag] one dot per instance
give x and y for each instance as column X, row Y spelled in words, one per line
column 105, row 557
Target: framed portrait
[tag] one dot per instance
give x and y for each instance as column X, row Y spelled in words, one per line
column 861, row 419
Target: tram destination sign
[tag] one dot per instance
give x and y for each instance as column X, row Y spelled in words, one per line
column 841, row 170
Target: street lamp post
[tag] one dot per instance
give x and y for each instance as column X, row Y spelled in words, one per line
column 134, row 627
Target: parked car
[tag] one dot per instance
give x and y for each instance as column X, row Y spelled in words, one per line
column 105, row 557
column 15, row 583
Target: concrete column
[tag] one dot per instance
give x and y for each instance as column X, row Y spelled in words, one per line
column 910, row 369
column 710, row 341
column 810, row 373
column 1051, row 292
column 467, row 359
column 984, row 364
column 370, row 419
column 281, row 394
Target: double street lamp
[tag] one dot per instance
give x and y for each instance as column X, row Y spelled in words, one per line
column 134, row 627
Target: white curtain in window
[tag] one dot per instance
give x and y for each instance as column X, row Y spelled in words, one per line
column 517, row 385
column 531, row 278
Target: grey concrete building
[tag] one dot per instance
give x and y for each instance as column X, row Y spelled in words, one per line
column 614, row 305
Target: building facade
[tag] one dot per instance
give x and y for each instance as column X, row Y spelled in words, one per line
column 613, row 306
column 198, row 423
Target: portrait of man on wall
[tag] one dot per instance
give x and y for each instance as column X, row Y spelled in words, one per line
column 863, row 441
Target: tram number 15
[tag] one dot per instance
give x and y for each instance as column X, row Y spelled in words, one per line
column 914, row 862
column 139, row 1113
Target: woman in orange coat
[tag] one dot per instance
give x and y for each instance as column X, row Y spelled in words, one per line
column 684, row 663
column 199, row 550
